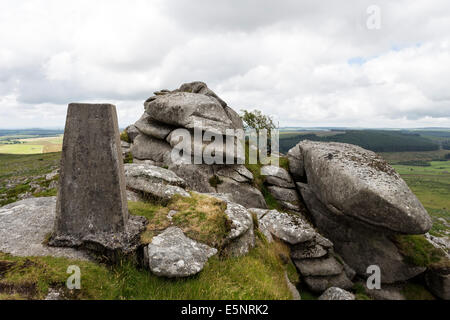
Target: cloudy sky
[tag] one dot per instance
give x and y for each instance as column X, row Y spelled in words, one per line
column 333, row 63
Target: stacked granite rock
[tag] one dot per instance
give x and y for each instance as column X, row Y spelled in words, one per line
column 156, row 133
column 172, row 253
column 281, row 186
column 360, row 203
column 311, row 253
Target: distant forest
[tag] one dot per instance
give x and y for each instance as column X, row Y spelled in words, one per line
column 375, row 140
column 30, row 132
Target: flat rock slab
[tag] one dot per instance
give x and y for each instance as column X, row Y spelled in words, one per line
column 319, row 267
column 160, row 191
column 335, row 293
column 277, row 176
column 189, row 110
column 153, row 173
column 25, row 225
column 311, row 250
column 320, row 283
column 290, row 228
column 149, row 148
column 153, row 128
column 154, row 181
column 360, row 184
column 284, row 194
column 171, row 254
column 243, row 193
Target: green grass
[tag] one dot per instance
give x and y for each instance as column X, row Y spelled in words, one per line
column 413, row 291
column 30, row 145
column 124, row 136
column 417, row 250
column 258, row 179
column 360, row 291
column 16, row 166
column 18, row 172
column 21, row 148
column 258, row 275
column 30, row 278
column 431, row 185
column 201, row 218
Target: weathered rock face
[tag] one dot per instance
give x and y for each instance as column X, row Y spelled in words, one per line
column 287, row 227
column 172, row 254
column 146, row 147
column 188, row 110
column 311, row 253
column 153, row 181
column 360, row 245
column 438, row 281
column 282, row 187
column 360, row 184
column 153, row 128
column 335, row 293
column 241, row 237
column 359, row 202
column 132, row 132
column 24, row 226
column 171, row 114
column 91, row 207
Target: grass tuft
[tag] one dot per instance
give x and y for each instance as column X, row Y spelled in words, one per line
column 417, row 251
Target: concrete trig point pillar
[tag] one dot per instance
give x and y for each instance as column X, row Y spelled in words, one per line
column 91, row 208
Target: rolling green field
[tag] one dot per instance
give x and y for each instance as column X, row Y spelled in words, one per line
column 30, row 145
column 432, row 186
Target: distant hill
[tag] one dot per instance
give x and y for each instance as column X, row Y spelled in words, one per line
column 375, row 140
column 31, row 132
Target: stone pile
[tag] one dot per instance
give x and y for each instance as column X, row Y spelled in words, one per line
column 157, row 133
column 311, row 253
column 282, row 187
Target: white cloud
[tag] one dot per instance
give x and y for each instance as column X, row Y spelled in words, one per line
column 306, row 63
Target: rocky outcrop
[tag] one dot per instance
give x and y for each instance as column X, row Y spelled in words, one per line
column 361, row 185
column 155, row 182
column 438, row 281
column 172, row 254
column 132, row 133
column 169, row 115
column 281, row 187
column 311, row 253
column 335, row 293
column 359, row 202
column 241, row 237
column 25, row 226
